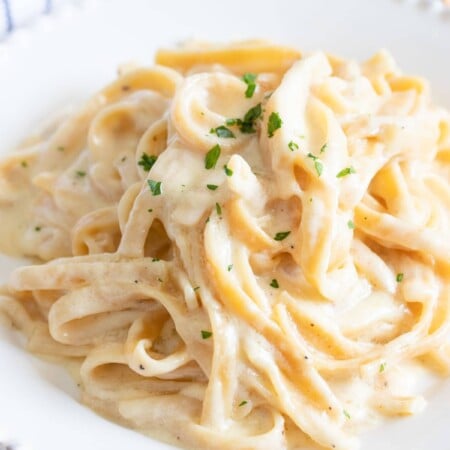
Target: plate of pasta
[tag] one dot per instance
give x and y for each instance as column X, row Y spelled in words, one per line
column 223, row 234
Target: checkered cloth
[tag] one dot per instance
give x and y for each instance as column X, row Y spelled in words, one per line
column 16, row 13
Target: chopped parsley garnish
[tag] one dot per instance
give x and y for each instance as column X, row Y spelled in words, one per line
column 232, row 122
column 244, row 402
column 351, row 224
column 247, row 124
column 80, row 173
column 292, row 146
column 206, row 334
column 274, row 283
column 319, row 167
column 24, row 164
column 346, row 414
column 141, row 367
column 222, row 132
column 317, row 163
column 218, row 209
column 250, row 117
column 60, row 148
column 282, row 235
column 212, row 157
column 323, row 148
column 147, row 161
column 155, row 187
column 250, row 80
column 155, row 259
column 212, row 187
column 228, row 171
column 274, row 123
column 37, row 228
column 230, row 266
column 196, row 288
column 399, row 277
column 345, row 172
column 150, row 210
column 382, row 367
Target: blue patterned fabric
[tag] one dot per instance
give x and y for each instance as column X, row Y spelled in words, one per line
column 16, row 13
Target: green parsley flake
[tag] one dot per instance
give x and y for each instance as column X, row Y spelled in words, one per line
column 230, row 266
column 250, row 80
column 292, row 146
column 346, row 414
column 155, row 259
column 244, row 402
column 147, row 161
column 155, row 187
column 351, row 224
column 37, row 228
column 318, row 166
column 382, row 367
column 247, row 124
column 80, row 173
column 222, row 132
column 60, row 148
column 274, row 283
column 317, row 163
column 273, row 124
column 196, row 288
column 232, row 122
column 228, row 171
column 150, row 210
column 212, row 187
column 218, row 209
column 399, row 277
column 206, row 334
column 24, row 164
column 212, row 157
column 323, row 148
column 282, row 235
column 345, row 172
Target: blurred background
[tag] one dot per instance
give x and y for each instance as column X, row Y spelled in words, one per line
column 15, row 14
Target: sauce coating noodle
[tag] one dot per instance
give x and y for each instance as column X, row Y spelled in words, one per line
column 245, row 247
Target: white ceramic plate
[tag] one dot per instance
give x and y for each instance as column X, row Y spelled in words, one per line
column 64, row 58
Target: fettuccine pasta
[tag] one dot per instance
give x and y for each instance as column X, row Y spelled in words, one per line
column 244, row 247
